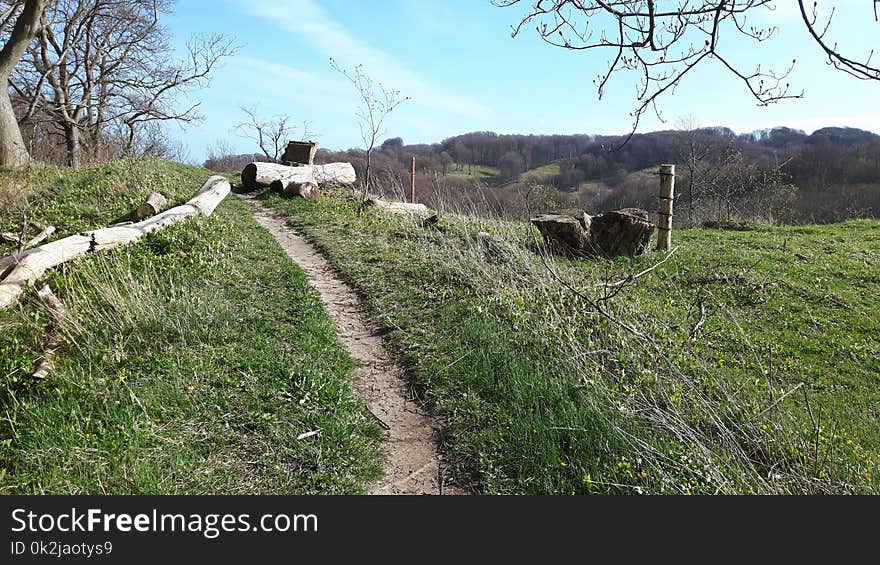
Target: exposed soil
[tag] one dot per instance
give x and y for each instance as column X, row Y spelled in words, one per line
column 413, row 464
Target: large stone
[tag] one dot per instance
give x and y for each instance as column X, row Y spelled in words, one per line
column 564, row 234
column 624, row 232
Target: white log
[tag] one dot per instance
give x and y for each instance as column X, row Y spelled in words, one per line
column 294, row 176
column 32, row 264
column 335, row 173
column 40, row 237
column 398, row 207
column 154, row 204
column 298, row 182
column 258, row 174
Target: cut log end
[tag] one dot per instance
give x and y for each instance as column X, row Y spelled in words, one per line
column 249, row 177
column 307, row 189
column 154, row 204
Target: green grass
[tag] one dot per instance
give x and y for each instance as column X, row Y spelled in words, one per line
column 543, row 394
column 486, row 174
column 194, row 359
column 540, row 175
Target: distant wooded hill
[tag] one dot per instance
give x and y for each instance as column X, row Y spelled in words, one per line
column 778, row 174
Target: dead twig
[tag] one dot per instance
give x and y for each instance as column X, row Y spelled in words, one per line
column 780, row 399
column 633, row 277
column 307, row 435
column 699, row 325
column 54, row 340
column 11, row 238
column 382, row 424
column 49, row 230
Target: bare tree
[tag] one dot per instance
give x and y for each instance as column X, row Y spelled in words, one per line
column 270, row 134
column 377, row 102
column 701, row 152
column 662, row 44
column 26, row 15
column 101, row 72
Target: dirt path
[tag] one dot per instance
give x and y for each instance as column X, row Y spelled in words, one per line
column 413, row 465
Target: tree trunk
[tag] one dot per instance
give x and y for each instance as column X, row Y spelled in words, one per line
column 12, row 148
column 29, row 266
column 13, row 151
column 256, row 175
column 74, row 145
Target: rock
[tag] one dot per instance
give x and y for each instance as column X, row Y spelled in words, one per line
column 624, row 232
column 564, row 234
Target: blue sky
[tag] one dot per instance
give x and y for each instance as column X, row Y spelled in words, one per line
column 464, row 72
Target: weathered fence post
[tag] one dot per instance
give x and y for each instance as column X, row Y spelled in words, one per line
column 664, row 214
column 412, row 194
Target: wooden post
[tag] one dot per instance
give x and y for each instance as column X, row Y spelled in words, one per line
column 664, row 214
column 412, row 194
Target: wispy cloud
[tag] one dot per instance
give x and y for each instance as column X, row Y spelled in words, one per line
column 312, row 24
column 296, row 81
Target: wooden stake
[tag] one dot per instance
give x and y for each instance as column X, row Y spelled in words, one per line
column 664, row 215
column 412, row 176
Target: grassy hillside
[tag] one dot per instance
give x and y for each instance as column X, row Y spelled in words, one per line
column 545, row 391
column 488, row 175
column 195, row 357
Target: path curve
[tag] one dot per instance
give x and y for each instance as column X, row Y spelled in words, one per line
column 413, row 465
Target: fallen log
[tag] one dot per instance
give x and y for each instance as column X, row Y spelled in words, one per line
column 307, row 190
column 154, row 204
column 258, row 174
column 397, row 207
column 299, row 182
column 30, row 265
column 624, row 232
column 335, row 173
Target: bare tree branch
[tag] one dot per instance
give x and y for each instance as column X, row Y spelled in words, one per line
column 663, row 44
column 377, row 102
column 101, row 75
column 271, row 134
